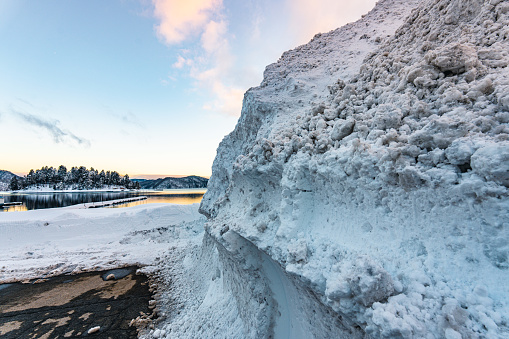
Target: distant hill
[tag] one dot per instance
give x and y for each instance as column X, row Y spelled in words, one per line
column 5, row 179
column 174, row 183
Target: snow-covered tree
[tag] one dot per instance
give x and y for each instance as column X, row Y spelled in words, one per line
column 77, row 177
column 14, row 185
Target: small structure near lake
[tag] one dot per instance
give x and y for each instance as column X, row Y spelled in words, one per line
column 6, row 204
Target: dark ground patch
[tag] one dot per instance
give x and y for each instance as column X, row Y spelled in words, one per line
column 69, row 306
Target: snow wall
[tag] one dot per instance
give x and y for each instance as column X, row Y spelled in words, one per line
column 364, row 190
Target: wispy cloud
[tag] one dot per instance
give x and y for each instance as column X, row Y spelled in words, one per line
column 225, row 60
column 181, row 19
column 132, row 119
column 181, row 62
column 212, row 65
column 217, row 76
column 128, row 118
column 51, row 126
column 26, row 102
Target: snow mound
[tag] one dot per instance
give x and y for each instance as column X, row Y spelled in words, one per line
column 371, row 170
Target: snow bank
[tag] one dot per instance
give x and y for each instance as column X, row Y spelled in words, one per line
column 43, row 243
column 371, row 170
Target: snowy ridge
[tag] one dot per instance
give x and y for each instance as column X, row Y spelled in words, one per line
column 5, row 179
column 380, row 186
column 175, row 183
column 301, row 77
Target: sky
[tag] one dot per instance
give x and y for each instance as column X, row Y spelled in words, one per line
column 145, row 88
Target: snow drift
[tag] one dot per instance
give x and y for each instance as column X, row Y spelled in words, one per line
column 364, row 190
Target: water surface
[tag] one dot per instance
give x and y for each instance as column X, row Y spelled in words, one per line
column 42, row 200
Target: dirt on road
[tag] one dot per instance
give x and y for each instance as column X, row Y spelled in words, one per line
column 93, row 304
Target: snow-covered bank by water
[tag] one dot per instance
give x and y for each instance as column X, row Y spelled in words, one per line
column 35, row 244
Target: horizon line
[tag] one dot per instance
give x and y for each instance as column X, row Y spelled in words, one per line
column 139, row 176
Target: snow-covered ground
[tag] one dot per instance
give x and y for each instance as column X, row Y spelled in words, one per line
column 39, row 243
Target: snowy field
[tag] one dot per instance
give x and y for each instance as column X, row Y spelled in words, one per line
column 48, row 242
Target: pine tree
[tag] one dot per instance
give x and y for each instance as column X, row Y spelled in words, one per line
column 125, row 181
column 14, row 184
column 61, row 173
column 30, row 178
column 77, row 178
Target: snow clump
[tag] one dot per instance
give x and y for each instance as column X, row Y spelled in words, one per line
column 371, row 166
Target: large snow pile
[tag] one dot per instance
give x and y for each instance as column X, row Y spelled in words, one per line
column 368, row 177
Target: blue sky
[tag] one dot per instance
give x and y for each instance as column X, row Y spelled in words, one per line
column 139, row 86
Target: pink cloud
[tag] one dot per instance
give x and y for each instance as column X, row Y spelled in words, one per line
column 181, row 62
column 180, row 19
column 214, row 36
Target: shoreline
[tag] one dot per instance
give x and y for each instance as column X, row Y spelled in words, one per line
column 169, row 190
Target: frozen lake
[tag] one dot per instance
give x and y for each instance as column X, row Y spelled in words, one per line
column 41, row 200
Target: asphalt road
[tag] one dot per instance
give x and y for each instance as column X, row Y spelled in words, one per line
column 83, row 305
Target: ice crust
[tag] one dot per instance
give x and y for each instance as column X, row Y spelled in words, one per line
column 370, row 172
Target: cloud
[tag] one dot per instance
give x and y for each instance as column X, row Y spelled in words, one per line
column 211, row 64
column 228, row 99
column 26, row 102
column 181, row 62
column 213, row 39
column 59, row 135
column 227, row 48
column 182, row 19
column 132, row 119
column 310, row 17
column 218, row 76
column 128, row 118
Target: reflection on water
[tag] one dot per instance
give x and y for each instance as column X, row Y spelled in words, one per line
column 182, row 199
column 18, row 208
column 32, row 201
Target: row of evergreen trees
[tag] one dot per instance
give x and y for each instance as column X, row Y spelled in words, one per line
column 76, row 178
